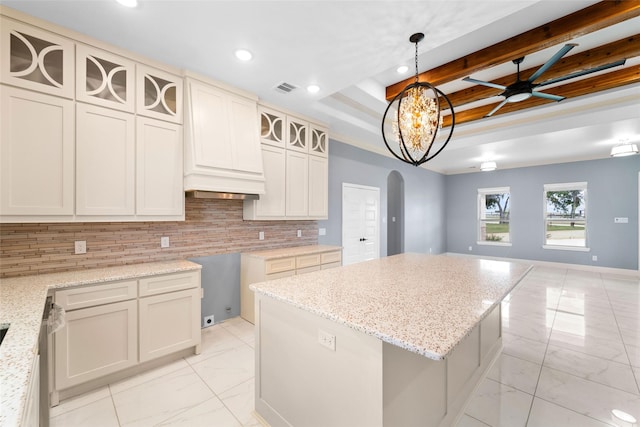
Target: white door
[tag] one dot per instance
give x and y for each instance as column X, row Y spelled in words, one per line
column 360, row 223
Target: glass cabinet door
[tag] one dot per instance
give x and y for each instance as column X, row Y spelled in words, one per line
column 271, row 127
column 159, row 94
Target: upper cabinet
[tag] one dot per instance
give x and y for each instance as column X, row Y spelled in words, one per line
column 222, row 142
column 159, row 94
column 35, row 59
column 104, row 79
column 296, row 169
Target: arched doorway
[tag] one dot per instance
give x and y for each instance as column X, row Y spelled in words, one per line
column 395, row 213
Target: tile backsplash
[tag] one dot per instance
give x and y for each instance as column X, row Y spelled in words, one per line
column 211, row 227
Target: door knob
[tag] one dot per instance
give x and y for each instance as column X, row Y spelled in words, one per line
column 362, row 239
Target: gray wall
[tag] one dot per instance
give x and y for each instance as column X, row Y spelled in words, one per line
column 424, row 197
column 612, row 191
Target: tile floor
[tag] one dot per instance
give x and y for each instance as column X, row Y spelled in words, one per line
column 571, row 355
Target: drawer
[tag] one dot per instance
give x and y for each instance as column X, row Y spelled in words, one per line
column 279, row 265
column 308, row 269
column 92, row 295
column 280, row 275
column 331, row 257
column 305, row 261
column 331, row 265
column 168, row 283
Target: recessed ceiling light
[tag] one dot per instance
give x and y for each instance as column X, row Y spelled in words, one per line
column 128, row 3
column 402, row 69
column 313, row 88
column 243, row 55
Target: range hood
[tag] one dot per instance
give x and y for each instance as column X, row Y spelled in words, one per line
column 197, row 194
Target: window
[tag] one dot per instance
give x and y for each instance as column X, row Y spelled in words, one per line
column 494, row 211
column 565, row 216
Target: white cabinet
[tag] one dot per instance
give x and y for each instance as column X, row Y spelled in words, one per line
column 31, row 414
column 36, row 59
column 296, row 187
column 278, row 263
column 104, row 79
column 105, row 163
column 159, row 94
column 36, row 161
column 121, row 324
column 222, row 144
column 158, row 168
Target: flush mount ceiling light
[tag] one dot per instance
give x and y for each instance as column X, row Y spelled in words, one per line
column 128, row 3
column 624, row 149
column 413, row 118
column 243, row 55
column 402, row 69
column 313, row 88
column 488, row 166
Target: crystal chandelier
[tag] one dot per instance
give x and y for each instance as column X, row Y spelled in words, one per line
column 413, row 118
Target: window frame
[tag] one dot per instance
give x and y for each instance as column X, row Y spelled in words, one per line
column 568, row 186
column 482, row 192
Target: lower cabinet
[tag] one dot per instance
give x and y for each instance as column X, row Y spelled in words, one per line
column 118, row 325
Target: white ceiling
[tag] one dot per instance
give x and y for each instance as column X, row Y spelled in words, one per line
column 351, row 50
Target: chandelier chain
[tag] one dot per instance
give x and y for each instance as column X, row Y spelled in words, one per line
column 416, row 57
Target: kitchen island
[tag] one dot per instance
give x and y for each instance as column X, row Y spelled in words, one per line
column 402, row 340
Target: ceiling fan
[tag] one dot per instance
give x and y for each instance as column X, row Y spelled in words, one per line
column 524, row 89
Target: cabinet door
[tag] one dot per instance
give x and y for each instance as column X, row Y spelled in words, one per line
column 297, row 187
column 95, row 341
column 36, row 153
column 272, row 203
column 159, row 94
column 104, row 79
column 318, row 187
column 243, row 130
column 297, row 135
column 210, row 127
column 168, row 323
column 272, row 127
column 35, row 59
column 159, row 168
column 319, row 141
column 105, row 149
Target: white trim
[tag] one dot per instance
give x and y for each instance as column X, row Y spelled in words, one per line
column 566, row 248
column 565, row 186
column 495, row 190
column 493, row 243
column 593, row 268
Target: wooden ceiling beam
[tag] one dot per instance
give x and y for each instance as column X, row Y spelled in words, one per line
column 584, row 21
column 606, row 54
column 625, row 76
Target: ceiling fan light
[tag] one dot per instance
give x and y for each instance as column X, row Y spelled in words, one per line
column 488, row 166
column 623, row 150
column 519, row 97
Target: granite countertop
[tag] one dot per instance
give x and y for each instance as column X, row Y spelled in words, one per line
column 423, row 303
column 22, row 301
column 293, row 251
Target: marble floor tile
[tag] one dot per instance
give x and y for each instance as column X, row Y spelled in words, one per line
column 79, row 401
column 215, row 340
column 467, row 421
column 537, row 331
column 517, row 373
column 147, row 376
column 499, row 405
column 99, row 413
column 612, row 349
column 240, row 328
column 633, row 352
column 241, row 402
column 211, row 412
column 585, row 397
column 160, row 399
column 523, row 348
column 546, row 414
column 636, row 372
column 227, row 369
column 603, row 371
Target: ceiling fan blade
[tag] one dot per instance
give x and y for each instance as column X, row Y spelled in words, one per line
column 547, row 96
column 480, row 82
column 583, row 72
column 562, row 52
column 496, row 109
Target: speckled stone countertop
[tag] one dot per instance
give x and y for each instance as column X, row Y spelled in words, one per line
column 423, row 303
column 293, row 251
column 22, row 301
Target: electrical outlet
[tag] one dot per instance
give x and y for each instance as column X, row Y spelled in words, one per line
column 299, row 233
column 80, row 247
column 470, row 248
column 322, row 232
column 164, row 242
column 261, row 235
column 621, row 220
column 327, row 340
column 594, row 258
column 208, row 321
